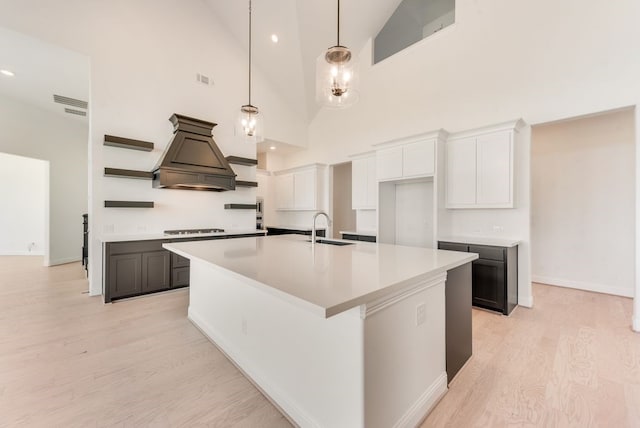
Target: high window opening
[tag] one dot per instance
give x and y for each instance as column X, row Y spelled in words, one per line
column 412, row 21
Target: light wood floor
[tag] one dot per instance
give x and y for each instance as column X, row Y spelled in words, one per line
column 68, row 360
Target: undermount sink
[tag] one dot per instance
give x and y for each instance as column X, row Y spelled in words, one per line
column 327, row 241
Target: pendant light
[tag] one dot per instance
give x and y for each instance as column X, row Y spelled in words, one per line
column 249, row 124
column 336, row 75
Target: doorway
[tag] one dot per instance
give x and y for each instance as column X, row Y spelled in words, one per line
column 583, row 203
column 344, row 218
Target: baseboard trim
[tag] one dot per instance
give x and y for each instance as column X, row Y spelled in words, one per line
column 585, row 286
column 64, row 261
column 526, row 301
column 425, row 403
column 292, row 412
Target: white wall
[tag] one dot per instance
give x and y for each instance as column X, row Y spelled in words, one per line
column 582, row 205
column 144, row 59
column 24, row 192
column 501, row 60
column 37, row 133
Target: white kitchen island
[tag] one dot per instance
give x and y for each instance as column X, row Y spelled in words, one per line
column 336, row 336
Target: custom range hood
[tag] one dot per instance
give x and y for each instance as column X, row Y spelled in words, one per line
column 192, row 160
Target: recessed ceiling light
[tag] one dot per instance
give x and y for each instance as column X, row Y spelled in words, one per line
column 272, row 147
column 274, row 38
column 7, row 73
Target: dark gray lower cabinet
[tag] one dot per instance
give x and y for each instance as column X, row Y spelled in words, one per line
column 156, row 271
column 125, row 275
column 495, row 275
column 458, row 318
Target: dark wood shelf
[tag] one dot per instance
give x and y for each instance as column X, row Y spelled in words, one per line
column 128, row 204
column 241, row 183
column 128, row 173
column 240, row 206
column 127, row 143
column 237, row 160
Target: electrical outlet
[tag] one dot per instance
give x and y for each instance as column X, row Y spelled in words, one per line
column 205, row 80
column 498, row 228
column 244, row 326
column 421, row 314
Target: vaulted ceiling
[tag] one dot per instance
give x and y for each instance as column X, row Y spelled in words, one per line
column 305, row 28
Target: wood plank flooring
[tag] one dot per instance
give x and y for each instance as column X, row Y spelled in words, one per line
column 68, row 360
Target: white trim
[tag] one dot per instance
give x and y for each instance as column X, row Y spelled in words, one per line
column 512, row 125
column 636, row 324
column 427, row 401
column 438, row 135
column 64, row 261
column 21, row 253
column 246, row 366
column 586, row 286
column 371, row 308
column 526, row 301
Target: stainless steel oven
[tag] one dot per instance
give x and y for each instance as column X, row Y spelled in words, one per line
column 259, row 213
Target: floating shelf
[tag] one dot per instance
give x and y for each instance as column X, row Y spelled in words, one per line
column 240, row 206
column 127, row 173
column 128, row 204
column 237, row 160
column 127, row 143
column 241, row 183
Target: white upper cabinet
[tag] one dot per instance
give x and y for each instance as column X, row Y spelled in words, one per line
column 461, row 172
column 480, row 164
column 299, row 189
column 389, row 163
column 411, row 157
column 364, row 185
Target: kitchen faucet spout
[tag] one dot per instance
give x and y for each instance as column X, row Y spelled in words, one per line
column 313, row 228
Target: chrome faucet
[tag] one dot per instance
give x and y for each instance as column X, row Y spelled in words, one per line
column 313, row 229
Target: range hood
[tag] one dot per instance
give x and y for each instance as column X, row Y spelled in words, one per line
column 192, row 160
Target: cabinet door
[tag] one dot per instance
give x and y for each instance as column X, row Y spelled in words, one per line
column 284, row 191
column 180, row 277
column 461, row 172
column 489, row 284
column 359, row 183
column 125, row 275
column 418, row 158
column 372, row 183
column 156, row 271
column 389, row 163
column 495, row 176
column 304, row 190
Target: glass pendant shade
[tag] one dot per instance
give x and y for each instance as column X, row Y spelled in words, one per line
column 336, row 78
column 336, row 75
column 249, row 124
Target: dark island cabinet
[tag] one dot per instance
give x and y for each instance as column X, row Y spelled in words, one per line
column 494, row 275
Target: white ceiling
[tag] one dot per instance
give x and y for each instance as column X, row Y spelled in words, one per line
column 42, row 70
column 305, row 29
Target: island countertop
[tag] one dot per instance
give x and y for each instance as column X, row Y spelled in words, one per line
column 326, row 279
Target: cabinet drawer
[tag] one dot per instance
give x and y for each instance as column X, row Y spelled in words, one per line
column 453, row 246
column 488, row 253
column 178, row 261
column 134, row 247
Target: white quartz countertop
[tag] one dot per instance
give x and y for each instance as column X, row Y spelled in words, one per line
column 152, row 236
column 327, row 279
column 481, row 240
column 303, row 228
column 361, row 232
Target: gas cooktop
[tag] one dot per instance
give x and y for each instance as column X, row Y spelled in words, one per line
column 191, row 231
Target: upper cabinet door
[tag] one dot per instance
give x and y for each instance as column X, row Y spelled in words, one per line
column 304, row 190
column 284, row 191
column 372, row 183
column 495, row 171
column 389, row 163
column 418, row 158
column 359, row 183
column 461, row 172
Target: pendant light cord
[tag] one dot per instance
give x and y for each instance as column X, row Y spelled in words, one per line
column 338, row 23
column 249, row 52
